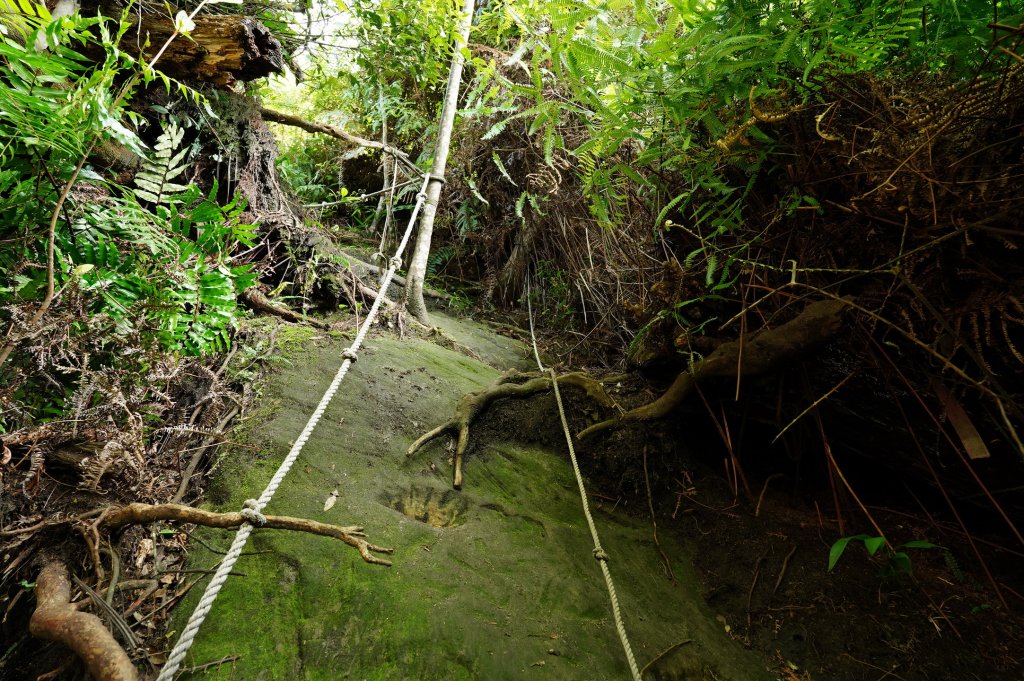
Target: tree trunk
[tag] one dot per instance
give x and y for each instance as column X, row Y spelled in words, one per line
column 418, row 266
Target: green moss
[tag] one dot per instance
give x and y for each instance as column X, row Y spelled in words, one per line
column 484, row 599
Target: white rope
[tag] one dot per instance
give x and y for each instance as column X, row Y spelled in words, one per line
column 533, row 336
column 253, row 509
column 599, row 552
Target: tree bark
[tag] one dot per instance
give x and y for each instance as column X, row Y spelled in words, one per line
column 222, row 49
column 418, row 265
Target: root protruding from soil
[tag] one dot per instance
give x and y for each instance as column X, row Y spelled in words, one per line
column 473, row 404
column 57, row 619
column 765, row 351
column 147, row 513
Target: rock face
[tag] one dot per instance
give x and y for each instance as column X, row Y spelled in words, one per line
column 495, row 582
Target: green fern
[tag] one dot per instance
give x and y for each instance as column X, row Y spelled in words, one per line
column 155, row 181
column 439, row 258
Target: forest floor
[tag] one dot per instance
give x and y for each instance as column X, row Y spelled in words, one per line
column 497, row 581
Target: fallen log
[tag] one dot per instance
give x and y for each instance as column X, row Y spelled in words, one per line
column 222, row 48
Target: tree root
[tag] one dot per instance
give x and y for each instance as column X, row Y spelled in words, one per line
column 766, row 350
column 473, row 404
column 118, row 516
column 57, row 619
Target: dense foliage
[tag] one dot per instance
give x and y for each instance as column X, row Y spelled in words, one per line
column 99, row 277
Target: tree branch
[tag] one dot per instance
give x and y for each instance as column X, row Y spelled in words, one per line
column 337, row 133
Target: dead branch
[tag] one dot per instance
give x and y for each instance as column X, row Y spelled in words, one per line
column 473, row 404
column 56, row 619
column 138, row 513
column 255, row 299
column 337, row 133
column 765, row 351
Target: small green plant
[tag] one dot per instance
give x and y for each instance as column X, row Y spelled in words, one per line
column 897, row 564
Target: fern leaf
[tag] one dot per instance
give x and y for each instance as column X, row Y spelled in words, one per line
column 154, row 182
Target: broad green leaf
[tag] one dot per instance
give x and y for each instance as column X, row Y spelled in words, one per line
column 872, row 544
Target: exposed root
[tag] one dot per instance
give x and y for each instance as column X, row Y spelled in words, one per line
column 146, row 513
column 767, row 350
column 473, row 404
column 56, row 619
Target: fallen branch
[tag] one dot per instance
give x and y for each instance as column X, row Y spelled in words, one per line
column 337, row 133
column 259, row 302
column 473, row 404
column 765, row 351
column 56, row 619
column 362, row 267
column 138, row 513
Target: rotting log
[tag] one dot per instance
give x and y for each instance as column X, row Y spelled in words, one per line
column 222, row 48
column 57, row 619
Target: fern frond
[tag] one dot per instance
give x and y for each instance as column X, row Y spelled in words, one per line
column 155, row 181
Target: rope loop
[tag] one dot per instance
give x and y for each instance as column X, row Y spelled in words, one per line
column 437, row 178
column 395, row 263
column 378, row 256
column 599, row 554
column 421, row 196
column 251, row 513
column 350, row 355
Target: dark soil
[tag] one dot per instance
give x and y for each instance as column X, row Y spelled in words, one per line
column 762, row 555
column 767, row 576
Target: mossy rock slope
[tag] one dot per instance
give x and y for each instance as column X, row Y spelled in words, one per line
column 494, row 582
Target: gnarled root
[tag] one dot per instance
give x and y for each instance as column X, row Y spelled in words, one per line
column 56, row 619
column 473, row 404
column 766, row 350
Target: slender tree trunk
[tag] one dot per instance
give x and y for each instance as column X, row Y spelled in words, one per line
column 418, row 265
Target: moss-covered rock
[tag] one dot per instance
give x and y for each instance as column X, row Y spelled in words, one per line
column 495, row 582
